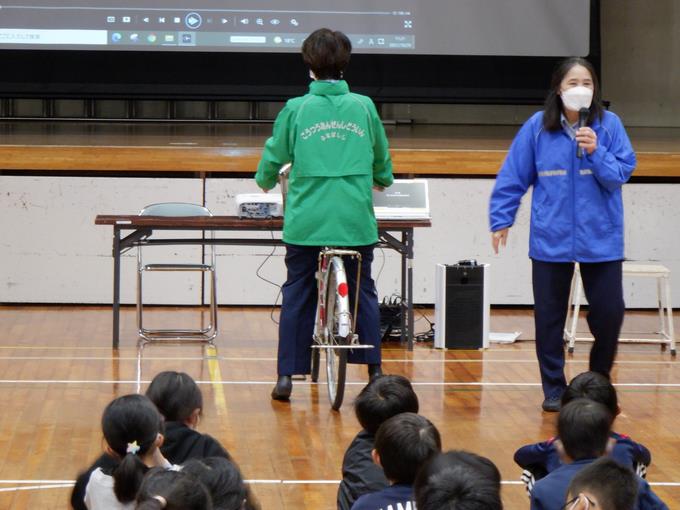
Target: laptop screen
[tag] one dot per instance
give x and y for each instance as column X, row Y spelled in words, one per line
column 406, row 198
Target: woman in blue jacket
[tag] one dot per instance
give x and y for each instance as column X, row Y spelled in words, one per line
column 576, row 215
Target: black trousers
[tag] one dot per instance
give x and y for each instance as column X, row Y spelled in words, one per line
column 298, row 308
column 603, row 286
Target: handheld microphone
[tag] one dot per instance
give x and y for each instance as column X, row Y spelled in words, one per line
column 582, row 122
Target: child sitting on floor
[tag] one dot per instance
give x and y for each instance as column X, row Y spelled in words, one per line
column 584, row 429
column 383, row 397
column 402, row 445
column 172, row 490
column 458, row 479
column 539, row 459
column 179, row 400
column 603, row 485
column 132, row 428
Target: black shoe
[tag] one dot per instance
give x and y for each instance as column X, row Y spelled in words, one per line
column 552, row 405
column 283, row 388
column 374, row 371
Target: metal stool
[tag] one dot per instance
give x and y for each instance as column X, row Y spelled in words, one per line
column 206, row 334
column 662, row 274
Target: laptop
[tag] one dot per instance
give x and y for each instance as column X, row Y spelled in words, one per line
column 406, row 199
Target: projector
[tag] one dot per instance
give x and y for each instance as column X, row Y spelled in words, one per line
column 259, row 205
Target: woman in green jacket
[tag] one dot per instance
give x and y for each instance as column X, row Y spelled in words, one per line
column 338, row 150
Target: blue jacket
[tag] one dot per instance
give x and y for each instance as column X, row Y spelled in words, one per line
column 576, row 209
column 550, row 493
column 543, row 458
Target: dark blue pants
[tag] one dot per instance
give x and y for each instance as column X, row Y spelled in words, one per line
column 298, row 308
column 602, row 283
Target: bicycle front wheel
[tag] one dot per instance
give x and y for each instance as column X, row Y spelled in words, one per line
column 337, row 320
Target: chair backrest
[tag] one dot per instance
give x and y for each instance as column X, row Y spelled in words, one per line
column 175, row 209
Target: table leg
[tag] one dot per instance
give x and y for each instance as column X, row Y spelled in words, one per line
column 404, row 307
column 116, row 286
column 409, row 284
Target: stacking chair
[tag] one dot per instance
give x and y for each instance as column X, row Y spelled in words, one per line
column 206, row 334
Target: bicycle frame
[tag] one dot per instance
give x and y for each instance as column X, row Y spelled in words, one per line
column 330, row 259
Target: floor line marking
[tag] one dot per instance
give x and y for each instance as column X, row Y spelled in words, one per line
column 385, row 360
column 309, row 383
column 37, row 487
column 55, row 484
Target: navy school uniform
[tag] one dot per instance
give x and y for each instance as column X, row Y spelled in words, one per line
column 395, row 497
column 360, row 475
column 298, row 308
column 550, row 493
column 543, row 458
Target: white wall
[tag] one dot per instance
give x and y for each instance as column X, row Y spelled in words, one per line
column 51, row 251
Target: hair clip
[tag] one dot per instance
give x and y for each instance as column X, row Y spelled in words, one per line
column 133, row 448
column 161, row 500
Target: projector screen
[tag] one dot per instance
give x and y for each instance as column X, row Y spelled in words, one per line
column 460, row 51
column 531, row 28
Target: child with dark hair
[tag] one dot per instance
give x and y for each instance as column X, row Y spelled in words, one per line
column 458, row 480
column 224, row 482
column 584, row 428
column 606, row 485
column 132, row 428
column 403, row 444
column 383, row 397
column 179, row 400
column 172, row 490
column 540, row 459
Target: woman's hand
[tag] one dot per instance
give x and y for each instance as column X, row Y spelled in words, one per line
column 499, row 237
column 587, row 139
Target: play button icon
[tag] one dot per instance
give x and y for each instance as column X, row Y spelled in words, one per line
column 193, row 20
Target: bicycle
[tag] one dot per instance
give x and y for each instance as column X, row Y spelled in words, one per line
column 334, row 323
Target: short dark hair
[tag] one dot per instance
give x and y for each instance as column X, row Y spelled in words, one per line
column 382, row 398
column 224, row 482
column 615, row 486
column 404, row 442
column 326, row 53
column 584, row 427
column 593, row 386
column 179, row 490
column 129, row 422
column 175, row 394
column 458, row 480
column 552, row 109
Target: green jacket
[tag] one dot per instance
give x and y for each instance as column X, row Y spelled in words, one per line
column 338, row 150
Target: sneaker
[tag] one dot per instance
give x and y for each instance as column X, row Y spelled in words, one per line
column 552, row 405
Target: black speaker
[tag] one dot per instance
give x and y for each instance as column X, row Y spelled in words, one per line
column 461, row 306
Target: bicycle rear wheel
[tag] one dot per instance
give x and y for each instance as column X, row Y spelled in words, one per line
column 337, row 310
column 315, row 365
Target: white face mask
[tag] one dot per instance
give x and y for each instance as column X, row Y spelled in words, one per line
column 312, row 75
column 576, row 98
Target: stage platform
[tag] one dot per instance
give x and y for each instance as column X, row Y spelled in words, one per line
column 223, row 148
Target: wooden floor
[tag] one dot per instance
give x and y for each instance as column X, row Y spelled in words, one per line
column 57, row 372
